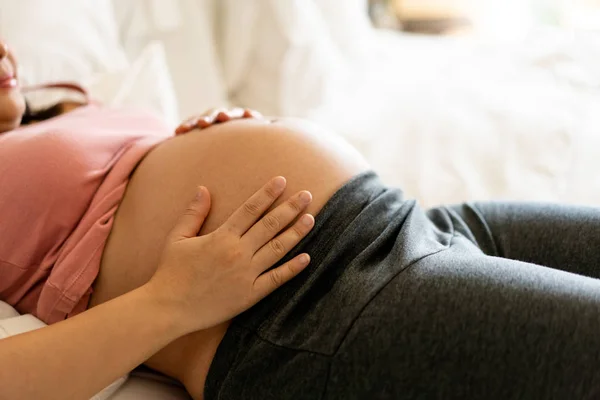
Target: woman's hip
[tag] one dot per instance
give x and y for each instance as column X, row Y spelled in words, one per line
column 452, row 325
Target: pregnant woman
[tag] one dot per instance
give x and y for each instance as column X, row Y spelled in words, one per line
column 473, row 301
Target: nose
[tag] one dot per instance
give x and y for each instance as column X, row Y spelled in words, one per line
column 3, row 50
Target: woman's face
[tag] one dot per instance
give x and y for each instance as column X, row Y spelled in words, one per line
column 12, row 103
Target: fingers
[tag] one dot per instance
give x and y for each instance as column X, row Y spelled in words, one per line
column 204, row 122
column 244, row 217
column 189, row 223
column 215, row 116
column 271, row 224
column 227, row 115
column 186, row 126
column 248, row 113
column 269, row 281
column 275, row 249
column 201, row 121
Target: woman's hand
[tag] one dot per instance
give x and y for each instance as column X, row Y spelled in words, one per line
column 212, row 278
column 215, row 116
column 200, row 282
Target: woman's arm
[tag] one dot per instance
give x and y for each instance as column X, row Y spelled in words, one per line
column 200, row 282
column 78, row 357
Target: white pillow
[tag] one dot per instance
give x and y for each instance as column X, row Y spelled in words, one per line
column 349, row 25
column 236, row 37
column 61, row 39
column 294, row 63
column 7, row 311
column 185, row 28
column 146, row 85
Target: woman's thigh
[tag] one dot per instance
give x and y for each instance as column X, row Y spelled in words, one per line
column 564, row 237
column 472, row 326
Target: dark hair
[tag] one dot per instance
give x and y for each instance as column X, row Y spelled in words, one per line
column 31, row 116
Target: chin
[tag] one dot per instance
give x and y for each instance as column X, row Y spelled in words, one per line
column 12, row 108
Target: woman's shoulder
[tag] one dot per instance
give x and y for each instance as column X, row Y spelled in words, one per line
column 51, row 171
column 83, row 140
column 88, row 117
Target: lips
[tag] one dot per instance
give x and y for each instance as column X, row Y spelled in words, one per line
column 8, row 82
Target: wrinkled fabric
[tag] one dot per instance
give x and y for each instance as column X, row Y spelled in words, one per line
column 483, row 300
column 61, row 182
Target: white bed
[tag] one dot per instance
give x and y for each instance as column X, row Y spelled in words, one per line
column 445, row 119
column 459, row 121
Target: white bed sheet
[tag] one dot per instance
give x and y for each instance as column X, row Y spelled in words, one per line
column 451, row 120
column 448, row 120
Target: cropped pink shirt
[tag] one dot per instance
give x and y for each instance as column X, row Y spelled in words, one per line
column 61, row 182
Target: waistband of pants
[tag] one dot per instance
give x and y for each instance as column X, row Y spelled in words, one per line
column 333, row 221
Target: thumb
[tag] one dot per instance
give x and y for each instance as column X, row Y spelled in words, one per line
column 189, row 223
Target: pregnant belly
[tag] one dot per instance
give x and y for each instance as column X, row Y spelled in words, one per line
column 232, row 160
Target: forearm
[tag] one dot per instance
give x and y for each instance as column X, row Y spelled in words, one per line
column 78, row 357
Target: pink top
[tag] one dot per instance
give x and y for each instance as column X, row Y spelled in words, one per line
column 61, row 182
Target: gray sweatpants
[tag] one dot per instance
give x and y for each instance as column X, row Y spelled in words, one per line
column 477, row 301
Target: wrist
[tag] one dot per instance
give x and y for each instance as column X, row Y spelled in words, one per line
column 164, row 311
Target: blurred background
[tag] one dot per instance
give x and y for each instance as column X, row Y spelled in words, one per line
column 493, row 19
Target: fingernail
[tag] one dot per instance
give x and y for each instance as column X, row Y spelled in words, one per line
column 305, row 197
column 306, row 220
column 304, row 259
column 183, row 127
column 200, row 193
column 279, row 182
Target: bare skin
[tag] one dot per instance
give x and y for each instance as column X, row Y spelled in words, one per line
column 231, row 160
column 199, row 283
